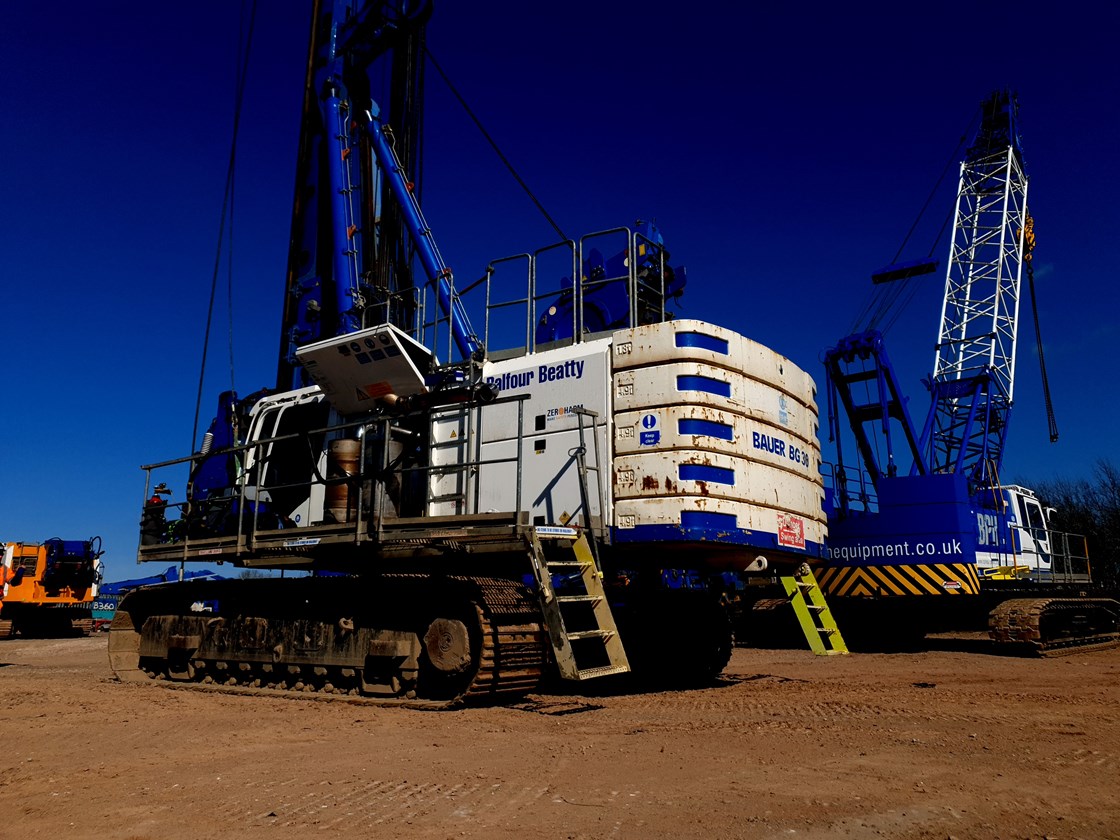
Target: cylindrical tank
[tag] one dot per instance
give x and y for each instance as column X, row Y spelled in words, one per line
column 342, row 467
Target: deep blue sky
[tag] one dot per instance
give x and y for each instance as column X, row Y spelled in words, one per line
column 784, row 151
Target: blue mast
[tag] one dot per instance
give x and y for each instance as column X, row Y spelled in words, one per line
column 356, row 218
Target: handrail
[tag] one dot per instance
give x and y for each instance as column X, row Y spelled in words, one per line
column 252, row 486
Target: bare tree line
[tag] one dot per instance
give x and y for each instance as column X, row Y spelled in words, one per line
column 1089, row 506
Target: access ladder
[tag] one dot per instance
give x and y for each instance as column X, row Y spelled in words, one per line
column 812, row 612
column 581, row 627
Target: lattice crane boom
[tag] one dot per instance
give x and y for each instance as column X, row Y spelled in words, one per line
column 974, row 366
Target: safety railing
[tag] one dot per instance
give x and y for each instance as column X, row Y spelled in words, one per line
column 355, row 496
column 626, row 288
column 1046, row 556
column 465, row 471
column 403, row 309
column 598, row 529
column 853, row 491
column 1071, row 558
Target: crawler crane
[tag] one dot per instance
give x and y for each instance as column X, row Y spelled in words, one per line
column 925, row 534
column 472, row 517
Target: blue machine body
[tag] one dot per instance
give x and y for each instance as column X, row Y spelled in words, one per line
column 70, row 563
column 109, row 594
column 889, row 514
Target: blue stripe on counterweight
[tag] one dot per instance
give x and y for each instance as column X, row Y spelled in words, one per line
column 706, row 427
column 693, row 382
column 702, row 341
column 713, row 521
column 709, row 539
column 703, row 472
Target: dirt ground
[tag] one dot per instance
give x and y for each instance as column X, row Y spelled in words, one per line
column 953, row 741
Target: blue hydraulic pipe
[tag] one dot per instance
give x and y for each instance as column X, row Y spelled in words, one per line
column 342, row 249
column 465, row 338
column 884, row 406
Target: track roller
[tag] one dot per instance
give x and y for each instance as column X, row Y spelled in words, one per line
column 1052, row 626
column 423, row 640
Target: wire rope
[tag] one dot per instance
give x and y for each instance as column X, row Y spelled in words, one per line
column 227, row 207
column 881, row 302
column 493, row 144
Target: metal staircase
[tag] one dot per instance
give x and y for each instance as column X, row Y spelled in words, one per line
column 581, row 627
column 812, row 612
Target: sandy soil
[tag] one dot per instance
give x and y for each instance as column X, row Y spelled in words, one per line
column 949, row 742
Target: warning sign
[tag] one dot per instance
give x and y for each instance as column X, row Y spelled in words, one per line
column 652, row 434
column 378, row 389
column 791, row 531
column 375, row 389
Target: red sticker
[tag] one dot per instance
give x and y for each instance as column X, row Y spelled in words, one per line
column 791, row 531
column 378, row 389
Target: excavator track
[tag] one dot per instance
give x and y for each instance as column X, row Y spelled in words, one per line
column 1056, row 626
column 40, row 623
column 421, row 641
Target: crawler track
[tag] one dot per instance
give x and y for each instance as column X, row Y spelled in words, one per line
column 416, row 640
column 41, row 622
column 1055, row 626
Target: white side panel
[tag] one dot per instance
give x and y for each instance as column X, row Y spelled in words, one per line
column 550, row 478
column 556, row 381
column 452, row 445
column 311, row 511
column 8, row 550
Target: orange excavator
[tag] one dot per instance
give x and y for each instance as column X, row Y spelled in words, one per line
column 47, row 589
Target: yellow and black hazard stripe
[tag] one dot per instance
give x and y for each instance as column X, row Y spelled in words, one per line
column 873, row 581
